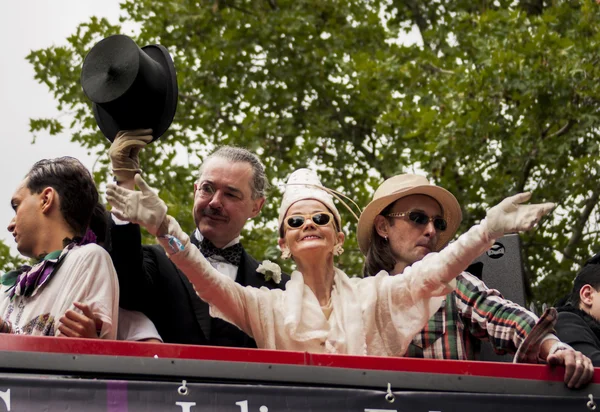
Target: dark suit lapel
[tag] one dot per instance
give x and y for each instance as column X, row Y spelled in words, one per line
column 194, row 240
column 247, row 271
column 246, row 274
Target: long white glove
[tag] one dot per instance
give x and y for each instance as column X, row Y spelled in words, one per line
column 510, row 216
column 144, row 207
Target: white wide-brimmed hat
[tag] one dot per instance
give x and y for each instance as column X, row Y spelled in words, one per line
column 304, row 184
column 401, row 186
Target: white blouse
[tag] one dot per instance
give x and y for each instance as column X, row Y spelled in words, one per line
column 377, row 315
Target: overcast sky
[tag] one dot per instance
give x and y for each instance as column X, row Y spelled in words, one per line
column 27, row 25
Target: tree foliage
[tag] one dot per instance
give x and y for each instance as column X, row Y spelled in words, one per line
column 7, row 261
column 499, row 97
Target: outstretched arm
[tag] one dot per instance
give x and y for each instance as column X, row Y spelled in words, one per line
column 512, row 328
column 411, row 297
column 136, row 270
column 437, row 270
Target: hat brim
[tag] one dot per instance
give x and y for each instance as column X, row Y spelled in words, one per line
column 450, row 209
column 109, row 127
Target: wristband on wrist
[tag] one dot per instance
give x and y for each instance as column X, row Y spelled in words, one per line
column 557, row 347
column 174, row 244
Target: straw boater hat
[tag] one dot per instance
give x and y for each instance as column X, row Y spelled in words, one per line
column 398, row 187
column 304, row 184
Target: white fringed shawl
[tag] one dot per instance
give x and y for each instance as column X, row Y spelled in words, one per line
column 378, row 315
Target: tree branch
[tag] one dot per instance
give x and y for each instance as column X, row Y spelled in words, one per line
column 534, row 7
column 563, row 130
column 577, row 234
column 526, row 171
column 530, row 163
column 238, row 8
column 434, row 68
column 273, row 4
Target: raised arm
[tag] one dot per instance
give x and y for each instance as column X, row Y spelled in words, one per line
column 434, row 272
column 145, row 208
column 411, row 297
column 135, row 269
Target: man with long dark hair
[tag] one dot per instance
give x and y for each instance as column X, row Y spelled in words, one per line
column 408, row 219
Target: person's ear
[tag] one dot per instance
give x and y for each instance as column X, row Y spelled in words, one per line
column 48, row 198
column 257, row 206
column 285, row 250
column 586, row 295
column 340, row 238
column 382, row 226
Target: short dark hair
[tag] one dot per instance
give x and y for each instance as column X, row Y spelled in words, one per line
column 99, row 224
column 259, row 183
column 379, row 256
column 75, row 187
column 588, row 275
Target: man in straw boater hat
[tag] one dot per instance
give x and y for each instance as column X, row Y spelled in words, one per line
column 134, row 91
column 409, row 219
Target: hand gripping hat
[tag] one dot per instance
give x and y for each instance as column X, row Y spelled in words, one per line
column 131, row 88
column 304, row 184
column 401, row 186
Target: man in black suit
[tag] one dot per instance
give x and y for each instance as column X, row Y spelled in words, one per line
column 229, row 191
column 579, row 319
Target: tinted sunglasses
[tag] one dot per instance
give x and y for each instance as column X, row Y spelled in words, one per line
column 421, row 218
column 319, row 219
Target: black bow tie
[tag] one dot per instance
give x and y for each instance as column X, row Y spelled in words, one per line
column 232, row 254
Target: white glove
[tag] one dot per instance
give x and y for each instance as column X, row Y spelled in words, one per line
column 144, row 207
column 510, row 216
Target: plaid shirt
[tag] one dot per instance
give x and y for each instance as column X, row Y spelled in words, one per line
column 473, row 313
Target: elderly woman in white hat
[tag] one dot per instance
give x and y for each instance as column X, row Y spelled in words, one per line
column 323, row 310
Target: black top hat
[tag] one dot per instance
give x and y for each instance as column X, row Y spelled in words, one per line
column 131, row 88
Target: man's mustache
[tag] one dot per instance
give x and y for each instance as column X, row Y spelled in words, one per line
column 209, row 211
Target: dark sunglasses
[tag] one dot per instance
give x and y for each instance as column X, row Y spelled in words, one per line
column 421, row 218
column 319, row 219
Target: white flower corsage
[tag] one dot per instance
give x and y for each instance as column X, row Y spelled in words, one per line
column 271, row 270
